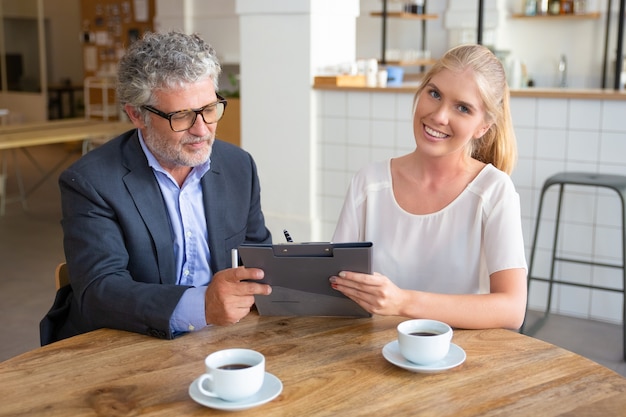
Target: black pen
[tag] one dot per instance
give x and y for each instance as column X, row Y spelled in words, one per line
column 287, row 236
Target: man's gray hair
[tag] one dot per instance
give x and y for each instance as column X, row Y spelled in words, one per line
column 162, row 61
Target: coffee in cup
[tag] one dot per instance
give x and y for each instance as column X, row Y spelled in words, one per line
column 423, row 341
column 232, row 374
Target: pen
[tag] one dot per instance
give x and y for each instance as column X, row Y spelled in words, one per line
column 287, row 235
column 234, row 258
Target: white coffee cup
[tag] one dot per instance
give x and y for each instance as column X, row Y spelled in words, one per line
column 423, row 341
column 232, row 374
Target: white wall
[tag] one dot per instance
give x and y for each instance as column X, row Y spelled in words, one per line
column 63, row 52
column 538, row 43
column 215, row 20
column 64, row 49
column 401, row 34
column 283, row 42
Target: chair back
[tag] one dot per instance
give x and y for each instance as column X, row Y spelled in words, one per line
column 61, row 276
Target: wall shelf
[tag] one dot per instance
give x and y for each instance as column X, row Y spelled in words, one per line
column 405, row 15
column 422, row 17
column 569, row 16
column 414, row 63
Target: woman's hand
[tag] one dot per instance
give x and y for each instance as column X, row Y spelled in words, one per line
column 375, row 293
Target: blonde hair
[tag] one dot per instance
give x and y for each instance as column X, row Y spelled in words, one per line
column 498, row 145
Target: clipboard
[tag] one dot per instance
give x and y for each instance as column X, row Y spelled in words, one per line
column 299, row 272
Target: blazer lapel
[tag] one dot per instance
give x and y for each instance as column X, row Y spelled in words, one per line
column 146, row 194
column 215, row 211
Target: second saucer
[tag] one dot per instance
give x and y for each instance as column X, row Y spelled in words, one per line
column 454, row 358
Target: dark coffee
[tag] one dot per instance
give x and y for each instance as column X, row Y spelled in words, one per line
column 234, row 366
column 425, row 333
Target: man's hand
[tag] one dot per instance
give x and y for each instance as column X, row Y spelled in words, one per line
column 228, row 299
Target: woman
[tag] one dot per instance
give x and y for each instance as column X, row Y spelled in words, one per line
column 444, row 219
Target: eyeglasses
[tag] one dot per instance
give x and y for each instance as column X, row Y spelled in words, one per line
column 182, row 120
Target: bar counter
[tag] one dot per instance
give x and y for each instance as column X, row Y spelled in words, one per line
column 532, row 92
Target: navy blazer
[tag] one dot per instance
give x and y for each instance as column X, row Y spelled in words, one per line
column 118, row 242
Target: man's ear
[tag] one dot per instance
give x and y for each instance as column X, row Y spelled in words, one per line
column 134, row 115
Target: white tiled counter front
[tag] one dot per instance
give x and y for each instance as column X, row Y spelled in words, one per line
column 555, row 132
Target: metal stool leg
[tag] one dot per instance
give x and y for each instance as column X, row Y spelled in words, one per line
column 533, row 249
column 554, row 247
column 622, row 196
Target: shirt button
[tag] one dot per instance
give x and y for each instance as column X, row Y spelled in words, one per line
column 186, row 272
column 188, row 234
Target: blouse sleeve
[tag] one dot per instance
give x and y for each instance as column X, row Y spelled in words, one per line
column 503, row 237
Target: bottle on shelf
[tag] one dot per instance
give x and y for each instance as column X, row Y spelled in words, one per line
column 580, row 6
column 563, row 71
column 414, row 7
column 371, row 72
column 566, row 7
column 530, row 8
column 554, row 7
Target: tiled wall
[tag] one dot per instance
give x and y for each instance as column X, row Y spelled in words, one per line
column 553, row 135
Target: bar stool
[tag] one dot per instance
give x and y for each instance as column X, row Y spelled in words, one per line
column 616, row 183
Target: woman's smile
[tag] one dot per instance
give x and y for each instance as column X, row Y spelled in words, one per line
column 434, row 133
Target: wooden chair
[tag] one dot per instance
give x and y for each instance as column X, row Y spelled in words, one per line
column 61, row 276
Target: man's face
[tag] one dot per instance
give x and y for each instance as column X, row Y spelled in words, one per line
column 189, row 148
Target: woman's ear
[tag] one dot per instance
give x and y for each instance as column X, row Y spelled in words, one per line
column 481, row 132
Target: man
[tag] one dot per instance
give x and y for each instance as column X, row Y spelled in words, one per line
column 150, row 218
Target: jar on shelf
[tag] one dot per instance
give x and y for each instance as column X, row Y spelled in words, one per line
column 554, row 7
column 580, row 6
column 414, row 7
column 530, row 8
column 566, row 7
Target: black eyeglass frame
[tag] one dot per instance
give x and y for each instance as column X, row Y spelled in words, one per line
column 197, row 112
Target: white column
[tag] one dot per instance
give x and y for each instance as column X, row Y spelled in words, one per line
column 282, row 44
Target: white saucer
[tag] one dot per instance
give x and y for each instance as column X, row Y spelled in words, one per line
column 272, row 387
column 455, row 357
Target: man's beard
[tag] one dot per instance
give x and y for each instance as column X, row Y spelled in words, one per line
column 171, row 154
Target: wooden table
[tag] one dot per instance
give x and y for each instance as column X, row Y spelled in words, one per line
column 61, row 131
column 328, row 366
column 24, row 136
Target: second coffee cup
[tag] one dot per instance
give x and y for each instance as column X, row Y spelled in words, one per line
column 232, row 374
column 423, row 341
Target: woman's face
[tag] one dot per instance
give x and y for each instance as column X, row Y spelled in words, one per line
column 449, row 114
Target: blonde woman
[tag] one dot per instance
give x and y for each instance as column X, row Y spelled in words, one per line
column 445, row 218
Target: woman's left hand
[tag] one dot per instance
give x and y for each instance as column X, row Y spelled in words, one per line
column 375, row 293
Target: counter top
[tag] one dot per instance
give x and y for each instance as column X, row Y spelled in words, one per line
column 567, row 93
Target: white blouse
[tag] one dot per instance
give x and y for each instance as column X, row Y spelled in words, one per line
column 452, row 251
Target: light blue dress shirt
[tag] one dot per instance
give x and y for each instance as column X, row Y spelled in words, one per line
column 191, row 245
